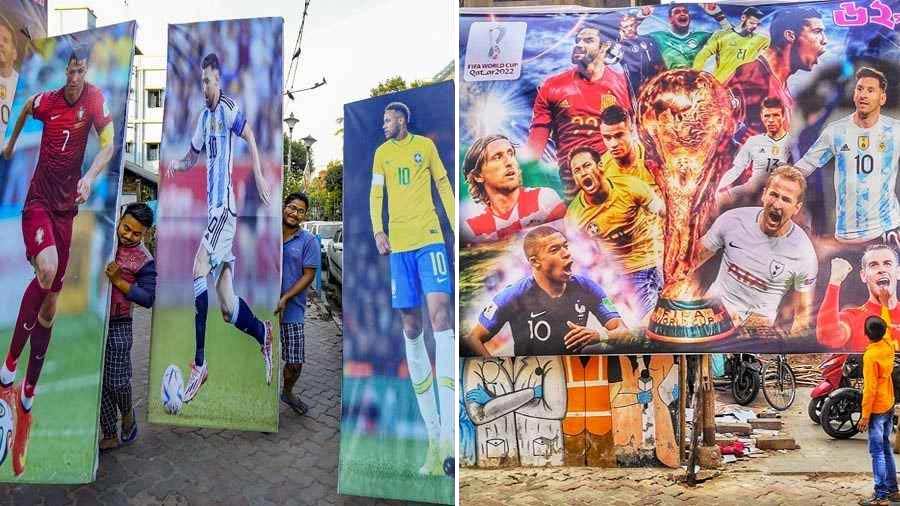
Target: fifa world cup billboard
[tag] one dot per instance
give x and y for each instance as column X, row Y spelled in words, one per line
column 60, row 178
column 398, row 398
column 677, row 179
column 214, row 354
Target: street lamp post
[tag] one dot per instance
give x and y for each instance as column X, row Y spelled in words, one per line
column 308, row 141
column 291, row 122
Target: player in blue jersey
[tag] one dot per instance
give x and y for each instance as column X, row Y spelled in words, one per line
column 219, row 122
column 548, row 312
column 865, row 147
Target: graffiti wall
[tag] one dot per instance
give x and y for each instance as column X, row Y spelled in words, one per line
column 679, row 178
column 574, row 410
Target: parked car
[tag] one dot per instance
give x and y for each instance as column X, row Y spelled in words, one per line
column 325, row 230
column 335, row 257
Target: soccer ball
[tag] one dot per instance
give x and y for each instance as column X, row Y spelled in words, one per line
column 172, row 390
column 6, row 428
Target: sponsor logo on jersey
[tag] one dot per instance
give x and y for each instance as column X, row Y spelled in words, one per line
column 845, row 148
column 80, row 114
column 564, row 104
column 775, row 268
column 863, row 142
column 489, row 311
column 608, row 304
column 39, row 236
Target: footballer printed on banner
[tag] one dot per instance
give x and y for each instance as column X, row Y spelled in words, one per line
column 494, row 51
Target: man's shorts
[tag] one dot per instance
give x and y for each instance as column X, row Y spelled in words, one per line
column 417, row 272
column 293, row 343
column 42, row 228
column 219, row 236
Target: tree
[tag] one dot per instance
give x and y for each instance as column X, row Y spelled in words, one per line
column 393, row 84
column 293, row 173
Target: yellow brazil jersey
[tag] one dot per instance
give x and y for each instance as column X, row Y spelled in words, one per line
column 626, row 224
column 638, row 169
column 731, row 50
column 404, row 170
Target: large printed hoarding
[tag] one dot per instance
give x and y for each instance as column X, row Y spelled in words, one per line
column 60, row 178
column 398, row 395
column 679, row 178
column 219, row 227
column 21, row 23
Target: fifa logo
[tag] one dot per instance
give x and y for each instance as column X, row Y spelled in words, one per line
column 496, row 35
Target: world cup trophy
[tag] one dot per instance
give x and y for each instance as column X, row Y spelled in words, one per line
column 685, row 124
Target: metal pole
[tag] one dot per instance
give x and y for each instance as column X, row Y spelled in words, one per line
column 290, row 142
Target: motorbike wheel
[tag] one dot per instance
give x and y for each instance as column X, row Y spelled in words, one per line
column 815, row 408
column 841, row 412
column 745, row 386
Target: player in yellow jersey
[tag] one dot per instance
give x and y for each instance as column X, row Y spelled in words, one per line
column 404, row 167
column 733, row 47
column 622, row 214
column 625, row 153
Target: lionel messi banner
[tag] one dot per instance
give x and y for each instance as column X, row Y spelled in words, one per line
column 679, row 178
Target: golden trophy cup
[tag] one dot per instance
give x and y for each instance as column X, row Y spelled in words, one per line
column 686, row 123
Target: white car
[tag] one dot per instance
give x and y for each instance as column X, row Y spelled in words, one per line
column 335, row 257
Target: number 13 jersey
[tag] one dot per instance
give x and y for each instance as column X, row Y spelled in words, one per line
column 865, row 175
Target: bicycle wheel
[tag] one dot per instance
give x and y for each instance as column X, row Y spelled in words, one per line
column 779, row 385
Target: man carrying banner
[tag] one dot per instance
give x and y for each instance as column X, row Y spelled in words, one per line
column 404, row 168
column 547, row 311
column 133, row 278
column 507, row 207
column 568, row 104
column 765, row 255
column 797, row 41
column 299, row 261
column 217, row 124
column 56, row 190
column 865, row 146
column 733, row 46
column 621, row 213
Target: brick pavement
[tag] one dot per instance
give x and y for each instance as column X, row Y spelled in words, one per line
column 650, row 487
column 179, row 466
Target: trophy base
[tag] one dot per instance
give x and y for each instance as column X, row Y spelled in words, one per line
column 689, row 321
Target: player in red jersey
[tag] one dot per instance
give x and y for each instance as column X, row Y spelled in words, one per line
column 569, row 104
column 57, row 188
column 844, row 330
column 797, row 41
column 507, row 207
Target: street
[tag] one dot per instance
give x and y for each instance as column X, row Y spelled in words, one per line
column 185, row 466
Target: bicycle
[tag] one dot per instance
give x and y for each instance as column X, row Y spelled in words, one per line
column 779, row 384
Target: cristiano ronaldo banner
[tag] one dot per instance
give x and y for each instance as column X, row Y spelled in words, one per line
column 397, row 423
column 60, row 176
column 214, row 351
column 679, row 178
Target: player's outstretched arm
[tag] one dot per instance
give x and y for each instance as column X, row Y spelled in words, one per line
column 802, row 313
column 107, row 148
column 439, row 173
column 376, row 202
column 476, row 339
column 708, row 49
column 260, row 179
column 830, row 330
column 189, row 160
column 17, row 128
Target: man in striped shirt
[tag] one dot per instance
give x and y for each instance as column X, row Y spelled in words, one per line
column 220, row 120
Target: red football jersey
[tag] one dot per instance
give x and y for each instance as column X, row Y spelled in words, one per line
column 752, row 83
column 536, row 206
column 66, row 129
column 569, row 106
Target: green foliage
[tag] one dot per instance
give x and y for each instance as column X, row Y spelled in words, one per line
column 393, row 84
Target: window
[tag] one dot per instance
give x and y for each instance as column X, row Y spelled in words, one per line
column 154, row 99
column 129, row 147
column 152, row 151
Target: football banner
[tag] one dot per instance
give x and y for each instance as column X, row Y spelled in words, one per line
column 214, row 352
column 60, row 179
column 21, row 23
column 398, row 396
column 685, row 178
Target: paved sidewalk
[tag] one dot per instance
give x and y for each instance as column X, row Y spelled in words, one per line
column 178, row 466
column 648, row 487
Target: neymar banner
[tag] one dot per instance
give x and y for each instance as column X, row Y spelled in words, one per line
column 679, row 178
column 60, row 179
column 214, row 354
column 398, row 395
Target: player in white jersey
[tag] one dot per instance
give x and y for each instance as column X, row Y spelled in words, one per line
column 765, row 254
column 761, row 154
column 8, row 75
column 865, row 147
column 219, row 121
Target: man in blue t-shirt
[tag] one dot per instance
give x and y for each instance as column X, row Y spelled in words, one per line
column 300, row 260
column 548, row 311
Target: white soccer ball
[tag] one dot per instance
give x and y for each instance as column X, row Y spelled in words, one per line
column 6, row 428
column 172, row 390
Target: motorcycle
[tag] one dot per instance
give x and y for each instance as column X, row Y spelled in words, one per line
column 842, row 408
column 744, row 371
column 832, row 379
